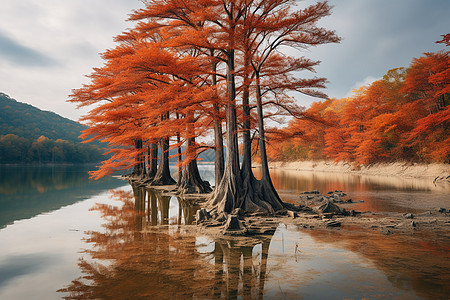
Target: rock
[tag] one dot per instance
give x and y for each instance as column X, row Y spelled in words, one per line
column 349, row 201
column 234, row 226
column 408, row 216
column 413, row 224
column 353, row 213
column 442, row 210
column 292, row 214
column 330, row 207
column 233, row 223
column 330, row 193
column 336, row 198
column 312, row 192
column 387, row 232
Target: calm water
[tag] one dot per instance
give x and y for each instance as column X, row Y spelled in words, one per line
column 62, row 235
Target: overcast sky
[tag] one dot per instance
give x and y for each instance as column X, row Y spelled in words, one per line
column 47, row 46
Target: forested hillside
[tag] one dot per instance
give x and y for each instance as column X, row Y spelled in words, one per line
column 405, row 116
column 28, row 134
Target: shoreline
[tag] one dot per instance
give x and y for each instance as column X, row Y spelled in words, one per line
column 398, row 169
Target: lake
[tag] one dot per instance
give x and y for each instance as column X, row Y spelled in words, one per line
column 65, row 236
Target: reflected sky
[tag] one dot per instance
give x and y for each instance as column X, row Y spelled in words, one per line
column 135, row 243
column 26, row 191
column 158, row 258
column 378, row 193
column 40, row 254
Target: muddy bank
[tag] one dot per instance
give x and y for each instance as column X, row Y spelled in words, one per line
column 335, row 211
column 329, row 211
column 406, row 170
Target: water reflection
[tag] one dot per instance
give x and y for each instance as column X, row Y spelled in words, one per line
column 324, row 182
column 240, row 267
column 26, row 191
column 154, row 208
column 143, row 253
column 420, row 262
column 379, row 193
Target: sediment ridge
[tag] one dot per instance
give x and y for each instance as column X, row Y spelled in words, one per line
column 403, row 169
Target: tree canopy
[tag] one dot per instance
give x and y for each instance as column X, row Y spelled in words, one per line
column 403, row 116
column 186, row 68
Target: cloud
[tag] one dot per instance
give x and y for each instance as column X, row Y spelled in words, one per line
column 378, row 35
column 18, row 54
column 365, row 82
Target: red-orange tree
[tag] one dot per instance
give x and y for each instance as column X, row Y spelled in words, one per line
column 403, row 116
column 240, row 41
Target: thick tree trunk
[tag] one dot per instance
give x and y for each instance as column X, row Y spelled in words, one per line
column 152, row 160
column 218, row 135
column 180, row 157
column 162, row 176
column 267, row 189
column 218, row 147
column 191, row 182
column 234, row 191
column 250, row 185
column 246, row 140
column 226, row 194
column 139, row 166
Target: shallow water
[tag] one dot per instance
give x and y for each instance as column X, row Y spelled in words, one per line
column 134, row 244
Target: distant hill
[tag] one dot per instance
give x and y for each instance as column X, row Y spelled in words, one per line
column 29, row 122
column 29, row 135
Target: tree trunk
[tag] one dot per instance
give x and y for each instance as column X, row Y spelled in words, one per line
column 162, row 176
column 226, row 194
column 139, row 166
column 218, row 135
column 246, row 168
column 267, row 190
column 152, row 160
column 218, row 147
column 191, row 182
column 250, row 186
column 233, row 192
column 180, row 157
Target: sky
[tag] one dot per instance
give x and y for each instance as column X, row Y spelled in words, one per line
column 48, row 46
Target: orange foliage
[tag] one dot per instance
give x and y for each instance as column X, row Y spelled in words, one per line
column 403, row 116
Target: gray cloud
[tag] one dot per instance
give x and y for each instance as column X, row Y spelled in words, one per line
column 378, row 35
column 16, row 53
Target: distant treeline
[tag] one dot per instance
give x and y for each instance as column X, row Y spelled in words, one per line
column 15, row 149
column 31, row 135
column 30, row 122
column 405, row 116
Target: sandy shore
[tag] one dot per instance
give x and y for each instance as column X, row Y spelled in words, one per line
column 411, row 170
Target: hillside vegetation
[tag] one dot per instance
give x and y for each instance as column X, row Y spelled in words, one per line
column 28, row 135
column 405, row 116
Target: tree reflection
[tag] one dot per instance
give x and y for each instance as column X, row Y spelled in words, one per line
column 419, row 262
column 238, row 272
column 139, row 256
